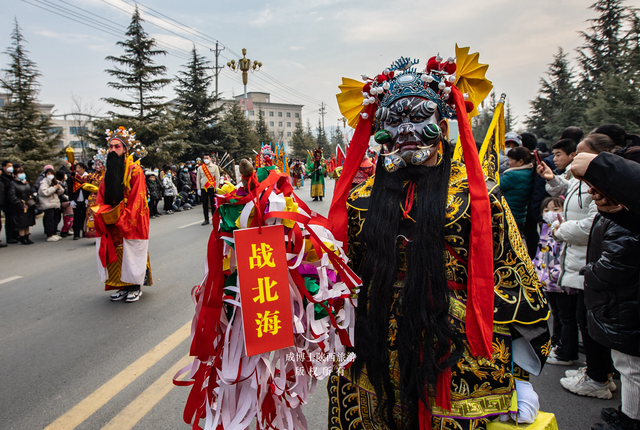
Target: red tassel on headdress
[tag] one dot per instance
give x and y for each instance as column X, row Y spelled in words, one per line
column 479, row 320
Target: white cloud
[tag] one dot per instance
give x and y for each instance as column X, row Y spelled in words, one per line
column 263, row 17
column 296, row 48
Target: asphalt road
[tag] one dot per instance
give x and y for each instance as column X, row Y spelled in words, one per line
column 70, row 358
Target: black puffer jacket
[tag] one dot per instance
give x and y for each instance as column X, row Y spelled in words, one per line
column 154, row 189
column 611, row 282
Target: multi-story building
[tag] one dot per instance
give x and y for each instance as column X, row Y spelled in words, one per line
column 281, row 118
column 73, row 127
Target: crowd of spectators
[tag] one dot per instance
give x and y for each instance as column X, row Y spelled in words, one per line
column 588, row 261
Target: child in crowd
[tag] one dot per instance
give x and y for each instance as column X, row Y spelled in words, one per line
column 547, row 266
column 154, row 193
column 517, row 183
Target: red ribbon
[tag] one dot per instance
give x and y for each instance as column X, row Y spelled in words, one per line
column 408, row 203
column 480, row 294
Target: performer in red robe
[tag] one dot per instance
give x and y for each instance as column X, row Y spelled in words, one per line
column 122, row 220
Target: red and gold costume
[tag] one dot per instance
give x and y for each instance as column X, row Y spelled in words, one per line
column 122, row 247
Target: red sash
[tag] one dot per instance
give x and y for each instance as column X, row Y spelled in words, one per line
column 78, row 182
column 211, row 181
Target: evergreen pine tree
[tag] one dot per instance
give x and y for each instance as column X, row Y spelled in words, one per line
column 321, row 139
column 336, row 139
column 198, row 106
column 604, row 45
column 310, row 140
column 139, row 76
column 298, row 141
column 28, row 135
column 482, row 122
column 244, row 140
column 262, row 131
column 557, row 105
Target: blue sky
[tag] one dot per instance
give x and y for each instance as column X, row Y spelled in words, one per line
column 307, row 46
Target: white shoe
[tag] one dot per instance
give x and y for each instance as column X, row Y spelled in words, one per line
column 121, row 294
column 133, row 296
column 585, row 386
column 59, row 238
column 577, row 373
column 53, row 239
column 553, row 359
column 572, row 373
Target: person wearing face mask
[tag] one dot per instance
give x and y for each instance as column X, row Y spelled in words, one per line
column 511, row 140
column 49, row 192
column 23, row 205
column 184, row 178
column 207, row 179
column 7, row 177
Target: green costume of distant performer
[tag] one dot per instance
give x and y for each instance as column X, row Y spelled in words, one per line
column 316, row 173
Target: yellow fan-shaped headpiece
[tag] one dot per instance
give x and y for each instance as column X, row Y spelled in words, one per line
column 350, row 100
column 471, row 78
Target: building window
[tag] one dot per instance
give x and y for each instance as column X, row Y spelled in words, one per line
column 280, row 114
column 1, row 102
column 297, row 115
column 272, row 134
column 251, row 113
column 288, row 134
column 77, row 130
column 288, row 114
column 279, row 123
column 270, row 113
column 55, row 129
column 271, row 123
column 288, row 124
column 76, row 144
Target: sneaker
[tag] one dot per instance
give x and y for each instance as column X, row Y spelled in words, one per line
column 121, row 294
column 610, row 415
column 585, row 386
column 53, row 239
column 133, row 296
column 572, row 373
column 59, row 238
column 554, row 359
column 64, row 234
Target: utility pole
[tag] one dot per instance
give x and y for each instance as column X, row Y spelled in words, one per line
column 322, row 112
column 217, row 68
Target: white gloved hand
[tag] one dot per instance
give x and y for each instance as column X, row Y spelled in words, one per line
column 199, row 192
column 73, row 204
column 528, row 403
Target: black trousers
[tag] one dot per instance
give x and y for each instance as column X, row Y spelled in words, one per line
column 208, row 198
column 168, row 203
column 79, row 216
column 49, row 221
column 8, row 226
column 557, row 325
column 568, row 347
column 598, row 356
column 153, row 206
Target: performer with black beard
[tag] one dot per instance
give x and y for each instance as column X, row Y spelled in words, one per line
column 122, row 220
column 450, row 317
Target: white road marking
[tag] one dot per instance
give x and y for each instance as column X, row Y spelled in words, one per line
column 189, row 225
column 13, row 278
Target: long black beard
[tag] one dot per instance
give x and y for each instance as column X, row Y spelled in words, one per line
column 114, row 179
column 424, row 336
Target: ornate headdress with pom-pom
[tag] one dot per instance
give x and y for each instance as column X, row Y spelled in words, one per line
column 128, row 139
column 100, row 159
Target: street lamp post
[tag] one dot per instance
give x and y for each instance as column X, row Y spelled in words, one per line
column 245, row 65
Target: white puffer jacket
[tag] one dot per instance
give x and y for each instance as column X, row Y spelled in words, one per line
column 48, row 195
column 574, row 231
